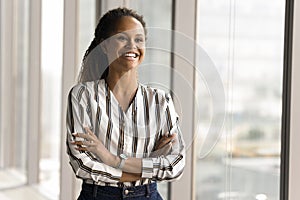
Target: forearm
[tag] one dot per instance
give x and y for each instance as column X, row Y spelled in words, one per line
column 87, row 167
column 130, row 177
column 131, row 170
column 133, row 165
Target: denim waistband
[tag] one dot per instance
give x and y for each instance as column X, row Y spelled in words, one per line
column 120, row 192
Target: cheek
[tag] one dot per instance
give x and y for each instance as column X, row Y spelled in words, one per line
column 113, row 50
column 142, row 53
column 114, row 46
column 141, row 58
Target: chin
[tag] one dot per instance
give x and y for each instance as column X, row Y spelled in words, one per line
column 130, row 67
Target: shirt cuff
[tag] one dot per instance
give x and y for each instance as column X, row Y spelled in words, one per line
column 147, row 168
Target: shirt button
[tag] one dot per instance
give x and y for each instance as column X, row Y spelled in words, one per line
column 126, row 192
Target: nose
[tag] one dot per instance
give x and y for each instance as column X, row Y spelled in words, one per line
column 131, row 44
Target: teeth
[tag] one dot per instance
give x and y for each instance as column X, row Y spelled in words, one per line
column 131, row 55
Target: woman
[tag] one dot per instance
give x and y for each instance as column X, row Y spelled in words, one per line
column 122, row 136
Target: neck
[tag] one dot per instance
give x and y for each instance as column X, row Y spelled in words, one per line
column 124, row 83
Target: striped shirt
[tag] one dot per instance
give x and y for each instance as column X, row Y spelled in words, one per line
column 135, row 132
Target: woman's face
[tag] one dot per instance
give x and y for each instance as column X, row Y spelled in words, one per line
column 125, row 49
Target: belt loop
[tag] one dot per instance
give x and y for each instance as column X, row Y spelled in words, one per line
column 95, row 187
column 148, row 191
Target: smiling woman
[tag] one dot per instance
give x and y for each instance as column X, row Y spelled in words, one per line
column 122, row 136
column 128, row 44
column 103, row 50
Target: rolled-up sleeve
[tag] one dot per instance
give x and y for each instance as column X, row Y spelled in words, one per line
column 85, row 165
column 168, row 166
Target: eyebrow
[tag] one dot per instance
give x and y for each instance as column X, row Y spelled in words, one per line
column 124, row 32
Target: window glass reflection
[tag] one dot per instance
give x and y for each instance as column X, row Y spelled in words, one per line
column 155, row 69
column 245, row 41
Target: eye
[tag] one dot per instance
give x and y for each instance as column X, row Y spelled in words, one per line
column 122, row 38
column 139, row 40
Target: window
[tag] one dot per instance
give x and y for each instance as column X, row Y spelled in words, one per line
column 244, row 39
column 14, row 93
column 49, row 163
column 87, row 24
column 242, row 42
column 156, row 68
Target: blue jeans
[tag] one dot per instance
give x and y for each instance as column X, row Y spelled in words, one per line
column 96, row 192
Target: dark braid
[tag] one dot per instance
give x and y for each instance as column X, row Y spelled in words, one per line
column 92, row 71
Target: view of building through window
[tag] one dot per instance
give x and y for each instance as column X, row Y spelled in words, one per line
column 245, row 41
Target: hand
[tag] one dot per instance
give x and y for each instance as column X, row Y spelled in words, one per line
column 164, row 145
column 92, row 144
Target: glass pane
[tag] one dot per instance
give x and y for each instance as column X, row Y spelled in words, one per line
column 87, row 25
column 21, row 92
column 244, row 39
column 52, row 30
column 156, row 68
column 13, row 173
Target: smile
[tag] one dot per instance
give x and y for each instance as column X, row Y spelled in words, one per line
column 131, row 55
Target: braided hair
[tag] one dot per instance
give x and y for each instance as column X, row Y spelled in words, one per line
column 91, row 68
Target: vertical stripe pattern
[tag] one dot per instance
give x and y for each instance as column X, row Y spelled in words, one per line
column 108, row 112
column 150, row 115
column 121, row 132
column 134, row 128
column 147, row 124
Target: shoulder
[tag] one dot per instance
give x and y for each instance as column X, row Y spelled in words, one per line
column 162, row 96
column 86, row 87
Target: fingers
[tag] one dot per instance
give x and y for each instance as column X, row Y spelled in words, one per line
column 81, row 135
column 162, row 151
column 84, row 143
column 165, row 140
column 88, row 131
column 88, row 135
column 80, row 148
column 87, row 141
column 83, row 139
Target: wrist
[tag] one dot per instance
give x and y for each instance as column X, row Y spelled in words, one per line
column 121, row 163
column 116, row 161
column 110, row 160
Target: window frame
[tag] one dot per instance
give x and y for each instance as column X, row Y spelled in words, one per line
column 68, row 181
column 34, row 93
column 286, row 100
column 7, row 13
column 291, row 189
column 180, row 17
